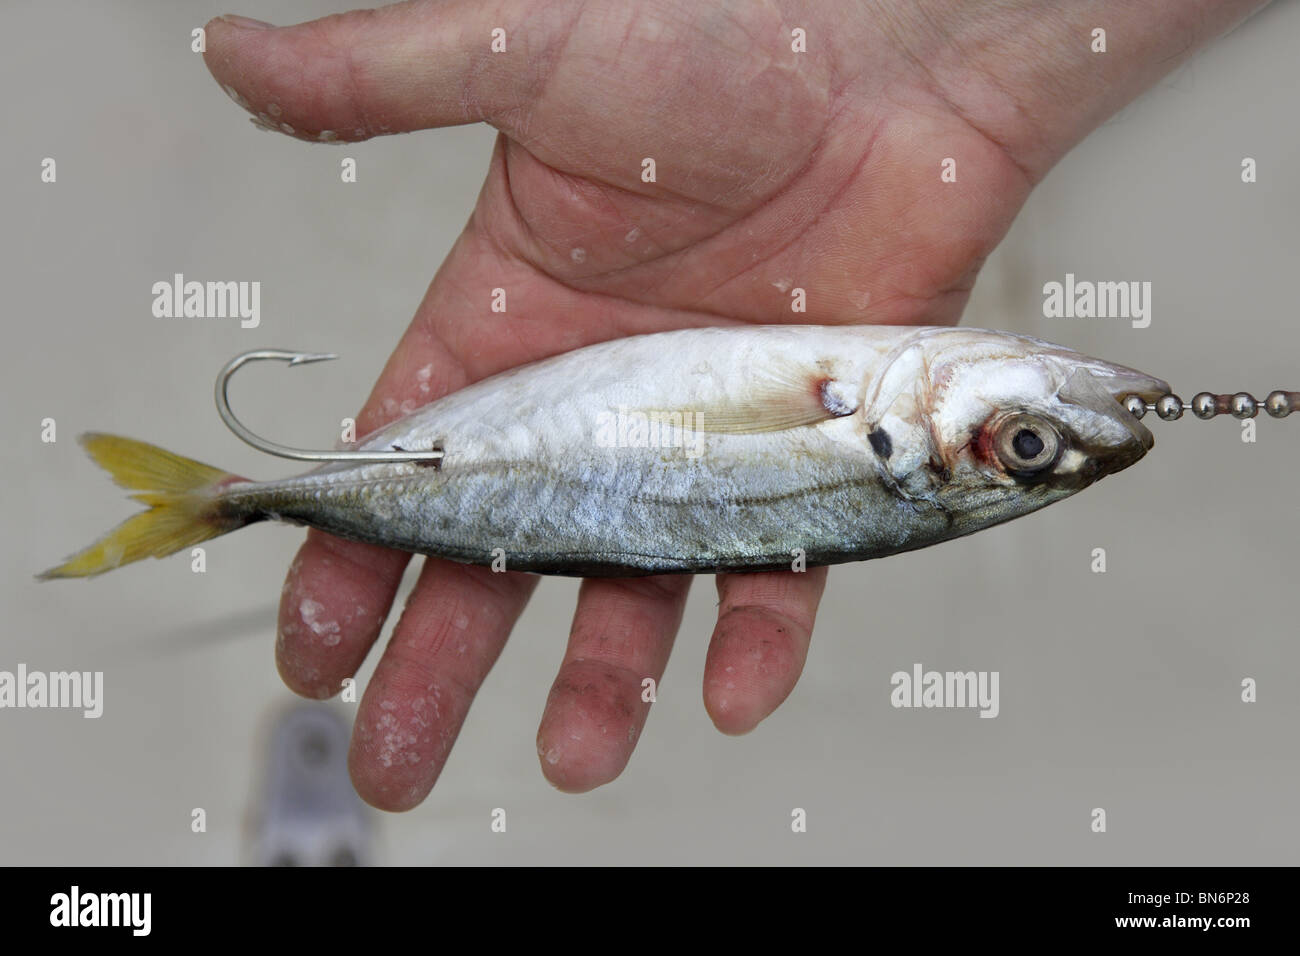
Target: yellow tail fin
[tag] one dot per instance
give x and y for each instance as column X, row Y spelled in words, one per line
column 183, row 499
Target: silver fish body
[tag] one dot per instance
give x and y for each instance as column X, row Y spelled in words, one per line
column 730, row 449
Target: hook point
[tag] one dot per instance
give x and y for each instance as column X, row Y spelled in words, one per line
column 303, row 358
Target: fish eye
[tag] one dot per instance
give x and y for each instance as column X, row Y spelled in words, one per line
column 1027, row 444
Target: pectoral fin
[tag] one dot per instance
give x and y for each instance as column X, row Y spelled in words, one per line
column 773, row 403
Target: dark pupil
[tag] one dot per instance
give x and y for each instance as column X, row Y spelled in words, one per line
column 1027, row 445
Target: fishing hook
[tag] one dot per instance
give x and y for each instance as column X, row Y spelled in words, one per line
column 284, row 451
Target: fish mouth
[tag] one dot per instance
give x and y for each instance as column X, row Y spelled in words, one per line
column 1120, row 383
column 1116, row 438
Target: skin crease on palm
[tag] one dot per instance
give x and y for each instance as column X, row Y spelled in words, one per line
column 819, row 169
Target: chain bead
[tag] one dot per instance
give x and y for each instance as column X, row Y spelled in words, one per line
column 1136, row 406
column 1169, row 407
column 1203, row 405
column 1278, row 404
column 1244, row 405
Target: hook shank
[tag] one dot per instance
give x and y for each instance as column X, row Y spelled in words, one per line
column 284, row 451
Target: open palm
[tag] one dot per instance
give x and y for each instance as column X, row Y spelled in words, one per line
column 774, row 170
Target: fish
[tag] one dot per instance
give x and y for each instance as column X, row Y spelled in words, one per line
column 690, row 451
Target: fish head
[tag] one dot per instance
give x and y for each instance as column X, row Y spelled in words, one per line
column 1007, row 424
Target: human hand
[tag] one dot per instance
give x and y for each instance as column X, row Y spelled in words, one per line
column 774, row 169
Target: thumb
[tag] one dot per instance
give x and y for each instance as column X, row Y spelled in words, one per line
column 368, row 72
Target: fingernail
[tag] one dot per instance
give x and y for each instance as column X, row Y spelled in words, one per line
column 246, row 23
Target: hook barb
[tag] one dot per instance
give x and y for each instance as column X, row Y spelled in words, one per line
column 284, row 451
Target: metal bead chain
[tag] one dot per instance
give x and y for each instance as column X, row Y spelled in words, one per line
column 1170, row 407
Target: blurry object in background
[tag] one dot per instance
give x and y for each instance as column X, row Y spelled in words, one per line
column 309, row 814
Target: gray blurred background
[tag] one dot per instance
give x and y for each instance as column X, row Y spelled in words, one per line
column 1118, row 690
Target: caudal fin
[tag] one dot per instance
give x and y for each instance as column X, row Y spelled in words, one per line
column 185, row 507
